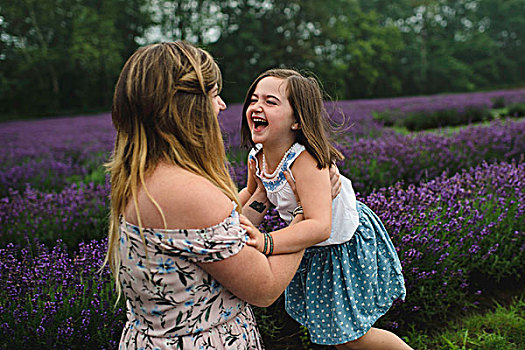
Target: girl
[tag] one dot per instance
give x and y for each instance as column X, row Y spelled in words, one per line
column 350, row 274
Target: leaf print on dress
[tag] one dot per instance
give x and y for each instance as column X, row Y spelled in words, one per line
column 171, row 301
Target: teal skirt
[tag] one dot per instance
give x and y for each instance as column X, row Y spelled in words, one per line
column 339, row 291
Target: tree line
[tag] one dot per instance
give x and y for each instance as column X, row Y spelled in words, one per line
column 65, row 55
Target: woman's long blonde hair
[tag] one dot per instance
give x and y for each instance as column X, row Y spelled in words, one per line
column 162, row 112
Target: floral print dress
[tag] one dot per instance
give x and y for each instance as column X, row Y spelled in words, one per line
column 171, row 302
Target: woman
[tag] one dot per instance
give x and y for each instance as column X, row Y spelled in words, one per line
column 176, row 245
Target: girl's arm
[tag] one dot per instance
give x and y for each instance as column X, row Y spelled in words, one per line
column 256, row 207
column 251, row 185
column 257, row 204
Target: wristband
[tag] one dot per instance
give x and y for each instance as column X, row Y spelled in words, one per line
column 270, row 238
column 265, row 243
column 297, row 211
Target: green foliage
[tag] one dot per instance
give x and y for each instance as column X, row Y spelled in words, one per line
column 516, row 110
column 62, row 55
column 98, row 176
column 456, row 45
column 445, row 117
column 352, row 55
column 66, row 55
column 423, row 120
column 502, row 328
column 498, row 103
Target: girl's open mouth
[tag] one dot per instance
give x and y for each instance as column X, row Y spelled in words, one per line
column 259, row 123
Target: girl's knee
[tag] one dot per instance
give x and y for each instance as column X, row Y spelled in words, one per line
column 359, row 343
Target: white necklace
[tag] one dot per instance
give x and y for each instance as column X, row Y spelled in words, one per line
column 274, row 174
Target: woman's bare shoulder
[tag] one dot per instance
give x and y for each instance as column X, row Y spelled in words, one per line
column 187, row 200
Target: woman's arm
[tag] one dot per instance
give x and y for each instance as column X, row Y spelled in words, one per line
column 253, row 277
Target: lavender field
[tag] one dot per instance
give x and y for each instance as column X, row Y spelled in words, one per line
column 453, row 203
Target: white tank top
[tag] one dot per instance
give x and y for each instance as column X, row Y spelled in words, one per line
column 345, row 218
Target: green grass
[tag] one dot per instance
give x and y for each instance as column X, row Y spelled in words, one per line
column 502, row 328
column 479, row 117
column 450, row 130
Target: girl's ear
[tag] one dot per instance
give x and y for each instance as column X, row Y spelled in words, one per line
column 296, row 126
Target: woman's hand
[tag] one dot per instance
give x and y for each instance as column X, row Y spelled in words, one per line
column 256, row 239
column 291, row 182
column 335, row 180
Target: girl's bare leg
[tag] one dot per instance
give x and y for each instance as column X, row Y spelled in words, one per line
column 376, row 339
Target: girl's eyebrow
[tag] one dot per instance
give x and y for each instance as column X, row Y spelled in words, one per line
column 267, row 96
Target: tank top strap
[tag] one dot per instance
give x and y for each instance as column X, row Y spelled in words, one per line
column 255, row 149
column 253, row 155
column 297, row 149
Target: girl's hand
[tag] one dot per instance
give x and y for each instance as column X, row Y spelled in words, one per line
column 256, row 238
column 335, row 180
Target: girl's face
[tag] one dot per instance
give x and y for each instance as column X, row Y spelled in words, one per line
column 216, row 101
column 270, row 115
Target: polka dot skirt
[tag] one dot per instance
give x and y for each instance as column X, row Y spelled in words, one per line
column 339, row 291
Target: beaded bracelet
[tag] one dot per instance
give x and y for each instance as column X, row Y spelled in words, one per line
column 265, row 244
column 297, row 211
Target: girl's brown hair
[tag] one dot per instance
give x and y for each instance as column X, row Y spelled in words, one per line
column 162, row 112
column 306, row 98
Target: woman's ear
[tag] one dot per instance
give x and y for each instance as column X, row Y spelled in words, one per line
column 296, row 126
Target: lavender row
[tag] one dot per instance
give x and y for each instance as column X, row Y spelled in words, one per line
column 75, row 214
column 373, row 163
column 51, row 153
column 53, row 299
column 357, row 115
column 48, row 153
column 444, row 230
column 376, row 163
column 364, row 108
column 370, row 164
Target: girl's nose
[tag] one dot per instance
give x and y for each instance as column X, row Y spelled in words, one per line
column 257, row 106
